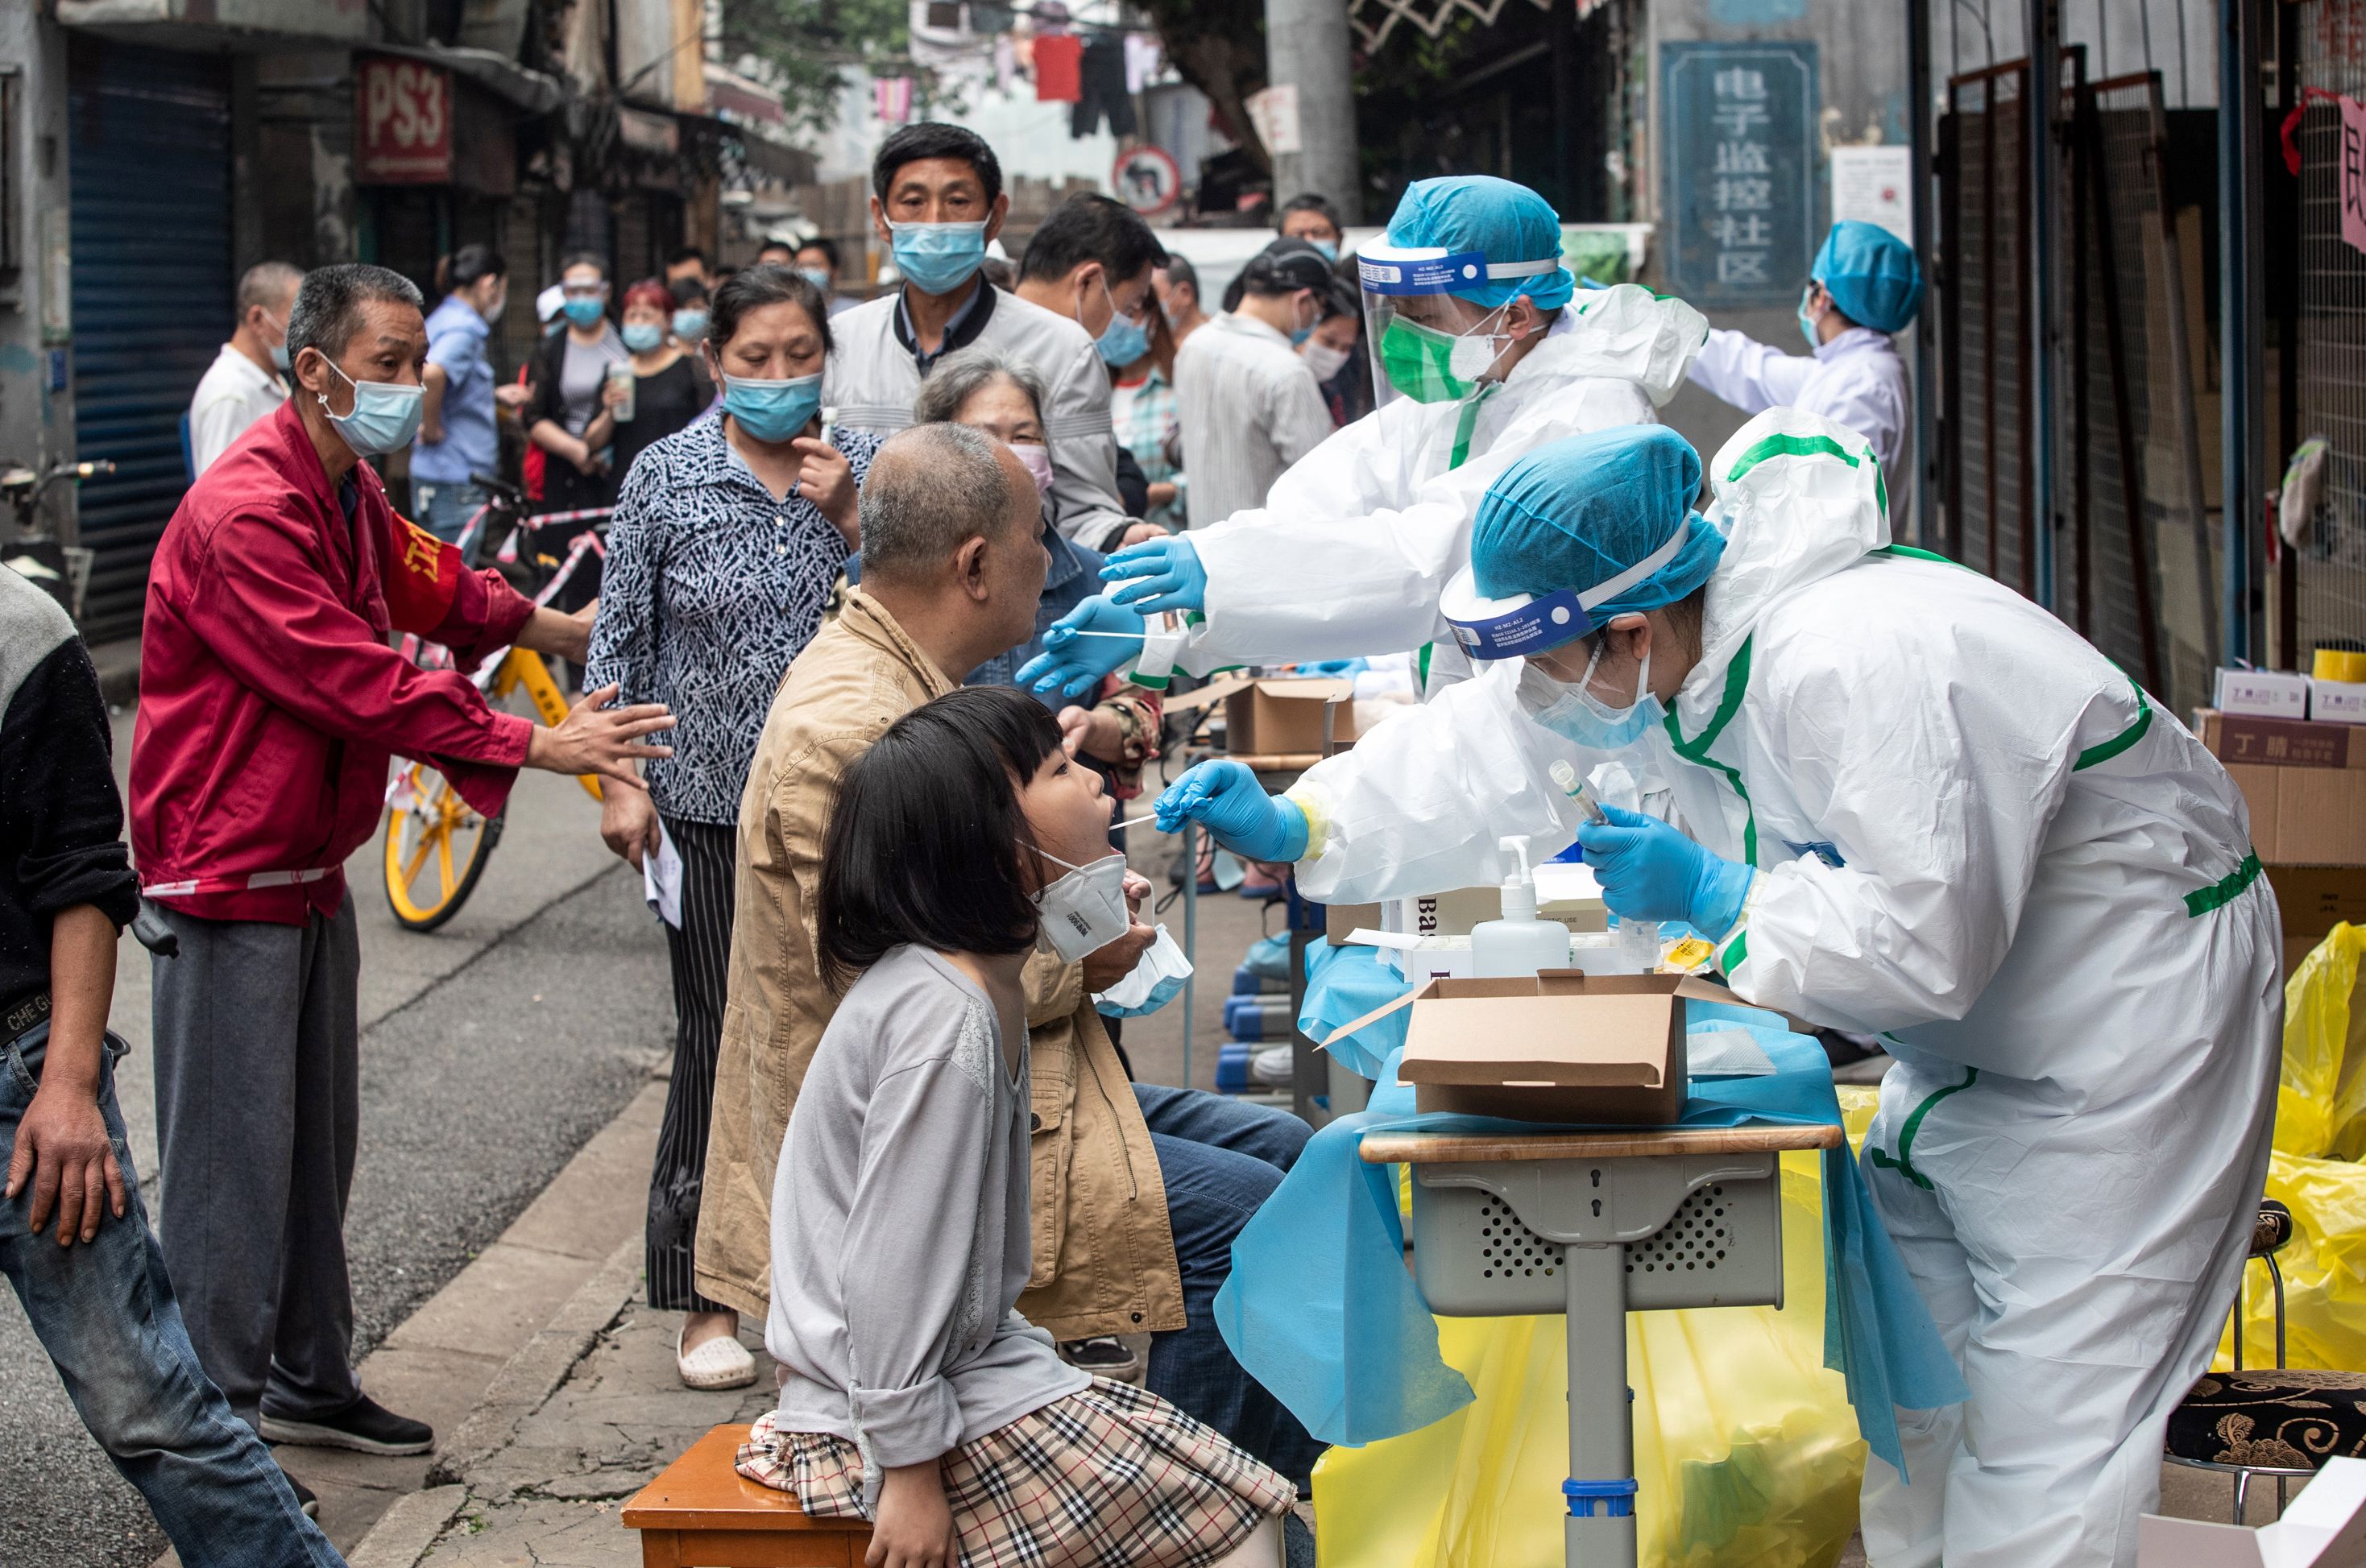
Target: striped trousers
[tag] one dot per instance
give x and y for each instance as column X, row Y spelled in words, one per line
column 701, row 953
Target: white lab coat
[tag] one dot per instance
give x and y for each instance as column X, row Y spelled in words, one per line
column 1975, row 834
column 1857, row 380
column 1356, row 541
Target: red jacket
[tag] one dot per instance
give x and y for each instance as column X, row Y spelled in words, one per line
column 269, row 699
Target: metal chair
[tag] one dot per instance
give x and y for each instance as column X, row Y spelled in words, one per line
column 2205, row 1443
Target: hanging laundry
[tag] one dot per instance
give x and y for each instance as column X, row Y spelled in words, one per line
column 1143, row 60
column 1101, row 79
column 1058, row 62
column 891, row 99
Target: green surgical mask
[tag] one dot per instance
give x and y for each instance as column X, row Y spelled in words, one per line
column 1430, row 366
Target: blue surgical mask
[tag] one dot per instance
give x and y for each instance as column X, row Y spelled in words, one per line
column 1807, row 323
column 1153, row 982
column 818, row 277
column 772, row 411
column 279, row 355
column 1330, row 248
column 584, row 312
column 1124, row 340
column 385, row 417
column 642, row 336
column 689, row 326
column 1578, row 715
column 937, row 258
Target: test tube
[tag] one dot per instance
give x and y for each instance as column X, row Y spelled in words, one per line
column 1574, row 788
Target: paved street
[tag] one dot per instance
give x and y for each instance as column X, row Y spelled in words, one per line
column 490, row 1051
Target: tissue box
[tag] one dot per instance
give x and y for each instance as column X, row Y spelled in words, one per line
column 2263, row 693
column 2336, row 702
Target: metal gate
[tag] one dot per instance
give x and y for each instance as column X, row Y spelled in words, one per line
column 2327, row 579
column 2130, row 536
column 148, row 138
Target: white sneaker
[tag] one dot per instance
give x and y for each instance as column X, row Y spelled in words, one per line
column 721, row 1362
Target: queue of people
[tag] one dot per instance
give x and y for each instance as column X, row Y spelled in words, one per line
column 801, row 666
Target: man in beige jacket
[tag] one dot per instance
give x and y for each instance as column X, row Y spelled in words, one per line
column 1132, row 1222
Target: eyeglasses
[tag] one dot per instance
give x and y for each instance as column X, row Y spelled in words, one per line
column 585, row 290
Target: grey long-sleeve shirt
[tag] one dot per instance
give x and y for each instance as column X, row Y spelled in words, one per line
column 900, row 1238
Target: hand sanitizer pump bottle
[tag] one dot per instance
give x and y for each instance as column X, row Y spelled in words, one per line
column 1519, row 944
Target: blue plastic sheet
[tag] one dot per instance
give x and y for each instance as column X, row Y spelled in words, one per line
column 1342, row 985
column 1321, row 1309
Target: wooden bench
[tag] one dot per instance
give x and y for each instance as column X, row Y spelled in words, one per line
column 701, row 1512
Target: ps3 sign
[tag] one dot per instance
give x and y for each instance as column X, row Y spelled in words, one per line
column 403, row 134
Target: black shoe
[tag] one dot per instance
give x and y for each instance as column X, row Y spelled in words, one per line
column 1103, row 1356
column 304, row 1498
column 364, row 1427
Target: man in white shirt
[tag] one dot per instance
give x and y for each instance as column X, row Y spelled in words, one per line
column 246, row 381
column 1245, row 399
column 937, row 201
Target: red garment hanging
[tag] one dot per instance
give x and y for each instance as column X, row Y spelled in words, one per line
column 1059, row 69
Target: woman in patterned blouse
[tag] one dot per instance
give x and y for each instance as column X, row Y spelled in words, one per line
column 728, row 542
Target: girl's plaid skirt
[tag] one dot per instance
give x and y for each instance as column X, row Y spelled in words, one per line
column 1111, row 1477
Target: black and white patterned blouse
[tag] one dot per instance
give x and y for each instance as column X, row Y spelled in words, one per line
column 711, row 587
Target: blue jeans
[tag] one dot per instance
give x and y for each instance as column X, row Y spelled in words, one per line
column 1219, row 1160
column 105, row 1313
column 444, row 508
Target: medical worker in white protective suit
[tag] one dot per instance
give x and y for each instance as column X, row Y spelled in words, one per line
column 1919, row 804
column 1484, row 349
column 1864, row 286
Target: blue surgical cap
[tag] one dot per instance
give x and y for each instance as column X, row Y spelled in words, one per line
column 1479, row 212
column 1580, row 511
column 1871, row 274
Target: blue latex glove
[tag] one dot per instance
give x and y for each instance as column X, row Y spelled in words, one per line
column 1075, row 665
column 1225, row 798
column 1335, row 666
column 1649, row 872
column 1165, row 574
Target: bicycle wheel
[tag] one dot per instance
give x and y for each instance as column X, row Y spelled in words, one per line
column 436, row 846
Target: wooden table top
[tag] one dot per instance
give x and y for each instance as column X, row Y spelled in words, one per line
column 1473, row 1148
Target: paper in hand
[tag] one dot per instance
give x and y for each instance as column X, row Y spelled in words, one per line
column 661, row 879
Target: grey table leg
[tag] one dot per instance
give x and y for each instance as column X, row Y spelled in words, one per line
column 1601, row 1418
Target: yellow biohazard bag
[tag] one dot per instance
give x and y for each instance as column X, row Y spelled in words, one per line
column 1746, row 1451
column 2320, row 1134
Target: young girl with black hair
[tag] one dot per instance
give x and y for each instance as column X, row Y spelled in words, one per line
column 912, row 1392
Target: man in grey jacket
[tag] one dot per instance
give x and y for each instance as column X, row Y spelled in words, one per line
column 937, row 201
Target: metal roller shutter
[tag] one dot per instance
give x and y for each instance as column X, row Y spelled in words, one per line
column 149, row 144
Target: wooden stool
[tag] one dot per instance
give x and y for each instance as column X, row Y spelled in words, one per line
column 701, row 1512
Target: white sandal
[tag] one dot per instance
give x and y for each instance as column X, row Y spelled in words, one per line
column 721, row 1362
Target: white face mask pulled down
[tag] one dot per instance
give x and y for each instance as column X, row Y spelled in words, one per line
column 1082, row 911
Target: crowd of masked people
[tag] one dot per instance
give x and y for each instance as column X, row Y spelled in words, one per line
column 884, row 501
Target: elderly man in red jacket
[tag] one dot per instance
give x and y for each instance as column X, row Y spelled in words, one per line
column 270, row 702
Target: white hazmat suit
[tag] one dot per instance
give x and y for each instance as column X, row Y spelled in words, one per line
column 1975, row 834
column 1857, row 380
column 1353, row 543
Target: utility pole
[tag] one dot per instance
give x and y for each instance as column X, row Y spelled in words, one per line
column 1308, row 45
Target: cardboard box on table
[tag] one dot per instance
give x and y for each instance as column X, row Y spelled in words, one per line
column 1562, row 1046
column 2305, row 785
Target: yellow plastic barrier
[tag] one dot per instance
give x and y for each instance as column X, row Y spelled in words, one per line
column 2320, row 1134
column 1745, row 1448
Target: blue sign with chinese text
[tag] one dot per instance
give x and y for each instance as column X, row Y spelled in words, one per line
column 1741, row 197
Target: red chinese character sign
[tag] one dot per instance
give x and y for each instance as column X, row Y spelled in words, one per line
column 2353, row 173
column 1146, row 179
column 402, row 132
column 1739, row 124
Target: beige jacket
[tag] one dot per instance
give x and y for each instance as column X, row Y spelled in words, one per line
column 1104, row 1251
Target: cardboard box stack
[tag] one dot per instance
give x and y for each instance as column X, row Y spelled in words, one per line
column 2304, row 780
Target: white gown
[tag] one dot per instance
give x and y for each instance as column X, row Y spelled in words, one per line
column 1974, row 834
column 1353, row 543
column 1857, row 380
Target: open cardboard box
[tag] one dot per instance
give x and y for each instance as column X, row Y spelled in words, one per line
column 1564, row 1046
column 2324, row 1527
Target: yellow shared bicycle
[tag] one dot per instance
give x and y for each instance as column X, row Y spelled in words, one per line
column 436, row 843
